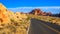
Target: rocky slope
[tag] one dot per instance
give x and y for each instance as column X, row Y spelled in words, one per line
column 13, row 23
column 3, row 15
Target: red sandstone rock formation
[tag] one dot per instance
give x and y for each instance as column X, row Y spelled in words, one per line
column 39, row 12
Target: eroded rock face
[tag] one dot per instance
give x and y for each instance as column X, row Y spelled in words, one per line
column 39, row 12
column 3, row 15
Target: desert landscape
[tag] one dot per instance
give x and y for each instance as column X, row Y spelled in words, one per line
column 19, row 23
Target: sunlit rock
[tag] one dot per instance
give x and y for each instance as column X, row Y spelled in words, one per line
column 3, row 15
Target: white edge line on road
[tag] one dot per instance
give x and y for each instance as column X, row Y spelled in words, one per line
column 28, row 27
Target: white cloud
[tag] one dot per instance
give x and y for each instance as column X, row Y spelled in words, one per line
column 53, row 9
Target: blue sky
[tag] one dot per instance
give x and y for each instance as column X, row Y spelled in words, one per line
column 31, row 3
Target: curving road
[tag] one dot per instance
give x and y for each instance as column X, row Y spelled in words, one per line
column 39, row 27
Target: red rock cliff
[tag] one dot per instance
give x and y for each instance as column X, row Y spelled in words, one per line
column 39, row 12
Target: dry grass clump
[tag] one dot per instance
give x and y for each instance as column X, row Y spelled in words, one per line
column 15, row 27
column 19, row 24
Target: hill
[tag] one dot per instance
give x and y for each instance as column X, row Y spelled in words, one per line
column 13, row 23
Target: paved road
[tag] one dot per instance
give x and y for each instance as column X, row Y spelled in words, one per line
column 38, row 27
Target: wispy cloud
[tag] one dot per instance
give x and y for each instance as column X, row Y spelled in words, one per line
column 52, row 9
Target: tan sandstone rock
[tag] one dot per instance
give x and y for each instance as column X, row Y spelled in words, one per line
column 3, row 15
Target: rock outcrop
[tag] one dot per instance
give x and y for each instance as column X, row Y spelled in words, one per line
column 3, row 15
column 39, row 12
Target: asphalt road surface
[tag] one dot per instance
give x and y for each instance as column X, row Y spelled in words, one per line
column 39, row 27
